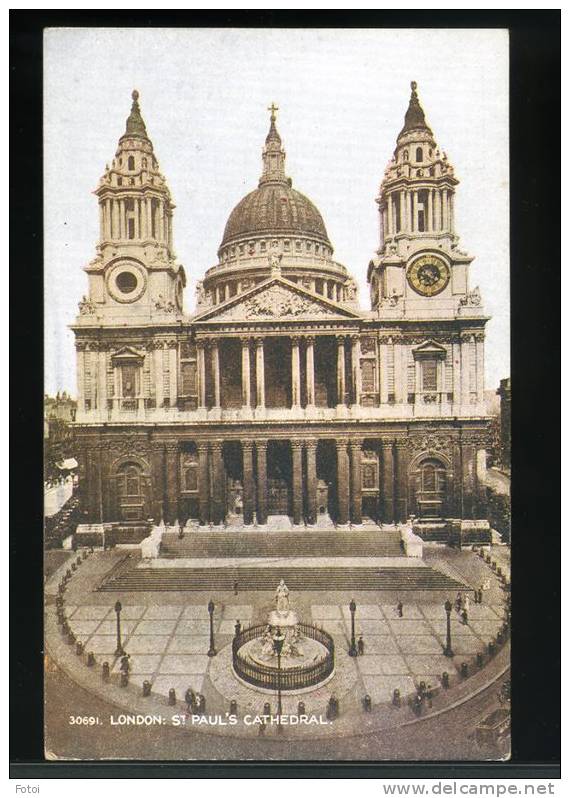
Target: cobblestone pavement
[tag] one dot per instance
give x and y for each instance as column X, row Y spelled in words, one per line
column 168, row 645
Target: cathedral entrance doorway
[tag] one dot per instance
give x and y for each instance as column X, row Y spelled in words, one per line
column 233, row 467
column 279, row 473
column 326, row 479
column 132, row 490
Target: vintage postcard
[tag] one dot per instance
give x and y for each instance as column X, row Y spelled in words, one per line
column 277, row 394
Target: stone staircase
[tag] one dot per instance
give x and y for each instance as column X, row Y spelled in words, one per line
column 322, row 577
column 306, row 543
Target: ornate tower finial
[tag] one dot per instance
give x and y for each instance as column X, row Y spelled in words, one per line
column 273, row 153
column 135, row 122
column 413, row 86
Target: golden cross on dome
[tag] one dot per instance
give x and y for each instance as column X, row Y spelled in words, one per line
column 273, row 108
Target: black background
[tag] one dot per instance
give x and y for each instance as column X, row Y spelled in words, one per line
column 535, row 286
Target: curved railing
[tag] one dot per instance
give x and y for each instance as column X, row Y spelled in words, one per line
column 296, row 678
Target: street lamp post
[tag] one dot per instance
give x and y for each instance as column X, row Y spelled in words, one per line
column 212, row 650
column 352, row 651
column 120, row 650
column 448, row 652
column 278, row 640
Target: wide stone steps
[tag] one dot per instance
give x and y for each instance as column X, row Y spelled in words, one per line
column 257, row 578
column 283, row 544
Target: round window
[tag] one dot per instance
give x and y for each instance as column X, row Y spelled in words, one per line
column 126, row 282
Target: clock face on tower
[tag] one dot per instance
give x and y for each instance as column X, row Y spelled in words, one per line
column 428, row 275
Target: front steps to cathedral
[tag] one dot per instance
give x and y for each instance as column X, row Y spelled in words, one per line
column 304, row 543
column 300, row 574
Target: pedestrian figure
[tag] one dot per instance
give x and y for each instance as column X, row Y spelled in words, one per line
column 261, row 727
column 125, row 665
column 190, row 699
column 466, row 602
column 429, row 696
column 360, row 645
column 237, row 628
column 235, row 587
column 464, row 617
column 400, row 609
column 458, row 602
column 480, row 596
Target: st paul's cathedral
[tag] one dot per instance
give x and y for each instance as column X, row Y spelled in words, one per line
column 280, row 403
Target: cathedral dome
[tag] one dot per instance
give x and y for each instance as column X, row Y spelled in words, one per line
column 275, row 208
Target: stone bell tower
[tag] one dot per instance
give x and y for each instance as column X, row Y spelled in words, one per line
column 419, row 268
column 134, row 277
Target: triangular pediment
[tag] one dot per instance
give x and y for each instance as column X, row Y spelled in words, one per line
column 127, row 353
column 276, row 299
column 429, row 348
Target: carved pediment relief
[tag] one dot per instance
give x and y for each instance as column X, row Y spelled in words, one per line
column 127, row 354
column 430, row 349
column 276, row 299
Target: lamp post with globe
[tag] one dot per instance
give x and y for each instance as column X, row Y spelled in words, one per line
column 352, row 651
column 448, row 652
column 278, row 640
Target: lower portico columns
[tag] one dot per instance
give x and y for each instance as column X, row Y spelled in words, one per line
column 387, row 482
column 171, row 509
column 355, row 481
column 217, row 482
column 248, row 485
column 297, row 459
column 310, row 361
column 401, row 481
column 245, row 373
column 158, row 482
column 343, row 488
column 260, row 372
column 261, row 449
column 340, row 371
column 295, row 372
column 203, row 484
column 311, row 486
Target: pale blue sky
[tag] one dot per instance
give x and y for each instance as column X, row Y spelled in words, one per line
column 204, row 94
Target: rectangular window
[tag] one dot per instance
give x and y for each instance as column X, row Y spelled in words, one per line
column 429, row 375
column 188, row 379
column 131, row 227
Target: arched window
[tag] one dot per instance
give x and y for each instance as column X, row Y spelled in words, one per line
column 419, row 154
column 131, row 162
column 130, row 480
column 433, row 479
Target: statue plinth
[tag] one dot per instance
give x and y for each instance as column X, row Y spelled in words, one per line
column 282, row 619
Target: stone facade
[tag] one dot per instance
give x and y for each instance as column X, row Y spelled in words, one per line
column 280, row 396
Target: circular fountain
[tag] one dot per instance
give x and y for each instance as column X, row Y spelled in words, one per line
column 307, row 655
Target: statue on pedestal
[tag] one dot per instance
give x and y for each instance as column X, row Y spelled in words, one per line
column 282, row 598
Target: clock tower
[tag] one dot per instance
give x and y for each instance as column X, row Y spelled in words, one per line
column 419, row 270
column 134, row 277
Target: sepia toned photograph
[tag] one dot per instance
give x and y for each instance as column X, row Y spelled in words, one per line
column 277, row 394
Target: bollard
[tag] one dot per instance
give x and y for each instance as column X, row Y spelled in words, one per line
column 105, row 672
column 79, row 648
column 171, row 697
column 488, row 559
column 68, row 574
column 479, row 660
column 445, row 680
column 59, row 601
column 90, row 659
column 267, row 708
column 60, row 618
column 70, row 637
column 301, row 708
column 367, row 703
column 464, row 670
column 233, row 707
column 500, row 573
column 73, row 566
column 146, row 688
column 78, row 561
column 124, row 679
column 500, row 638
column 396, row 698
column 422, row 688
column 492, row 648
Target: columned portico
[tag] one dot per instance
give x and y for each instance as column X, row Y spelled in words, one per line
column 248, row 482
column 355, row 447
column 340, row 370
column 311, row 483
column 260, row 372
column 343, row 488
column 261, row 451
column 297, row 462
